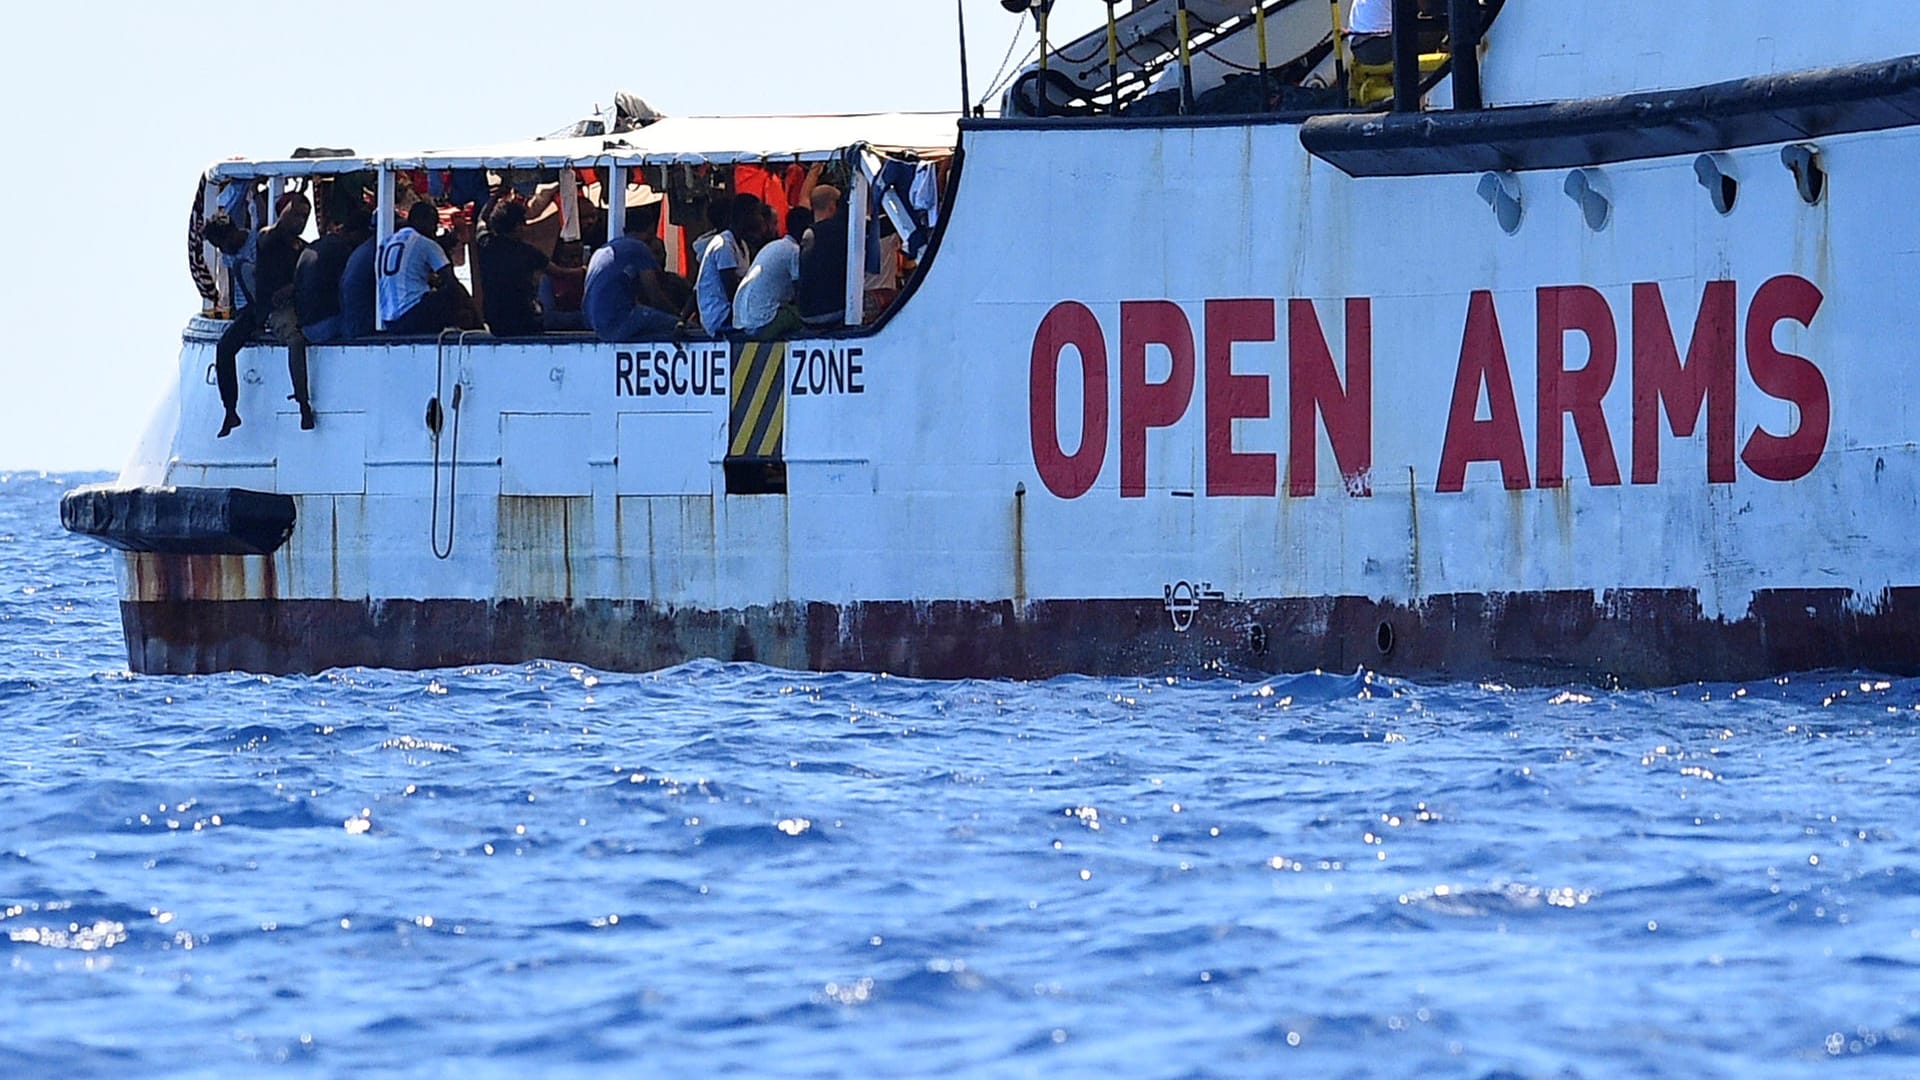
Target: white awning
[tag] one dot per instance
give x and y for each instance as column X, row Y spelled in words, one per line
column 691, row 140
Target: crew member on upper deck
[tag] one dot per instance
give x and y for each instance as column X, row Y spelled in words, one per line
column 1370, row 29
column 1370, row 26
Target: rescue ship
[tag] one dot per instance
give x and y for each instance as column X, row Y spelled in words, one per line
column 1570, row 351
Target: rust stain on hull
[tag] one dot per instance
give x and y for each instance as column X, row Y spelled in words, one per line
column 536, row 536
column 1643, row 638
column 161, row 578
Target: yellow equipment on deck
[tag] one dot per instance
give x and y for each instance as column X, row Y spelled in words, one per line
column 1370, row 84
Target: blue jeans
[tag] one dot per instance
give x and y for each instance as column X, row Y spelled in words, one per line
column 326, row 331
column 643, row 323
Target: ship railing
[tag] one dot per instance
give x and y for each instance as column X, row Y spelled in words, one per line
column 854, row 167
column 1111, row 70
column 1165, row 37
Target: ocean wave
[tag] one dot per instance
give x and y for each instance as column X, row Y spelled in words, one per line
column 1192, row 874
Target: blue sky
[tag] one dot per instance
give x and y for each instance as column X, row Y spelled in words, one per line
column 114, row 107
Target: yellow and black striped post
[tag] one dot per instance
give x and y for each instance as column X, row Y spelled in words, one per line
column 757, row 430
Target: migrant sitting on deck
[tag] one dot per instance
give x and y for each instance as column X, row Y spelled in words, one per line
column 262, row 265
column 568, row 195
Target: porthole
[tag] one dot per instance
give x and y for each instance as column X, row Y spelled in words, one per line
column 1501, row 191
column 1715, row 173
column 1590, row 191
column 1809, row 175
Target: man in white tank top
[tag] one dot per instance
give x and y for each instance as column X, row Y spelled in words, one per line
column 1371, row 17
column 1370, row 25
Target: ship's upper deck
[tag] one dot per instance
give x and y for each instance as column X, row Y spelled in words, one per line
column 1531, row 51
column 887, row 172
column 1170, row 58
column 892, row 175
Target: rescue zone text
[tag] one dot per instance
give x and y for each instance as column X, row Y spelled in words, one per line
column 701, row 371
column 1707, row 379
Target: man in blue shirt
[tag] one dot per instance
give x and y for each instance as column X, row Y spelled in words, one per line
column 624, row 296
column 357, row 291
column 317, row 277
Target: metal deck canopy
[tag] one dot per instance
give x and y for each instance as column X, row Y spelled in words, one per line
column 691, row 140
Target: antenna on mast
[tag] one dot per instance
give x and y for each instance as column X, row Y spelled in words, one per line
column 966, row 93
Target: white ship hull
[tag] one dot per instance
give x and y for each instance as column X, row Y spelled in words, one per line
column 1169, row 395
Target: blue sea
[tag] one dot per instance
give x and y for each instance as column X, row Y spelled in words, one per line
column 543, row 870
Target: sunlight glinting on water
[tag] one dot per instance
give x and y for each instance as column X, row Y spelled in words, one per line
column 543, row 868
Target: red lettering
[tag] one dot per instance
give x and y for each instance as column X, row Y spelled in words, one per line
column 1706, row 379
column 1790, row 378
column 1233, row 397
column 1579, row 394
column 1336, row 394
column 1068, row 476
column 1483, row 361
column 1145, row 405
column 1314, row 387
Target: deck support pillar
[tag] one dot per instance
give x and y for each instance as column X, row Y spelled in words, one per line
column 382, row 231
column 1406, row 56
column 616, row 192
column 859, row 201
column 1463, row 33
